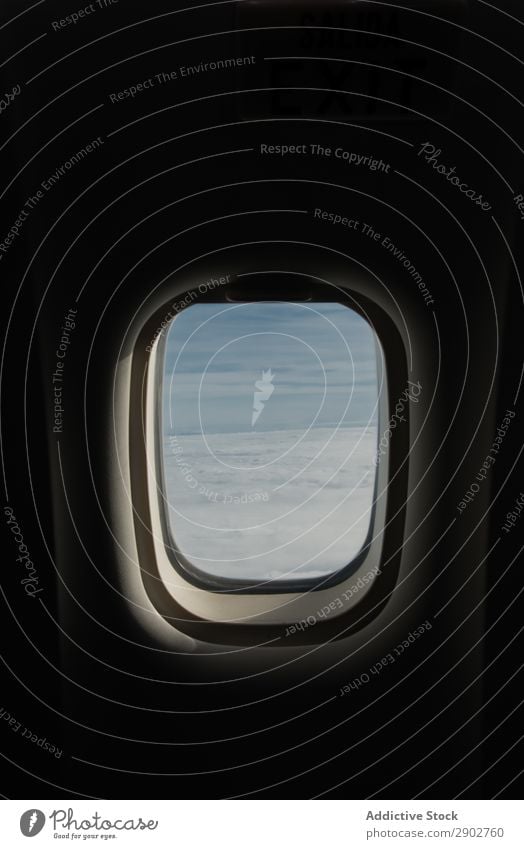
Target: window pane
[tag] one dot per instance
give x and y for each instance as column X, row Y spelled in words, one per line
column 269, row 437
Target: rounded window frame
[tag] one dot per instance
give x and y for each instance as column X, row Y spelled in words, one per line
column 319, row 293
column 239, row 617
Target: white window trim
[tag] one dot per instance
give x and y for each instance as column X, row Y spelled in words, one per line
column 258, row 608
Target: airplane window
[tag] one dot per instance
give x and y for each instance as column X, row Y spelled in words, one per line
column 269, row 423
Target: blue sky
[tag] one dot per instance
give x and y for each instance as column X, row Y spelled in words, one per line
column 322, row 357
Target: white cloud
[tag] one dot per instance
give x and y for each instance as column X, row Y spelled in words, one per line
column 264, row 505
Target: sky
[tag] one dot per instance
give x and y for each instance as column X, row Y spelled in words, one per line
column 271, row 506
column 322, row 359
column 289, row 495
